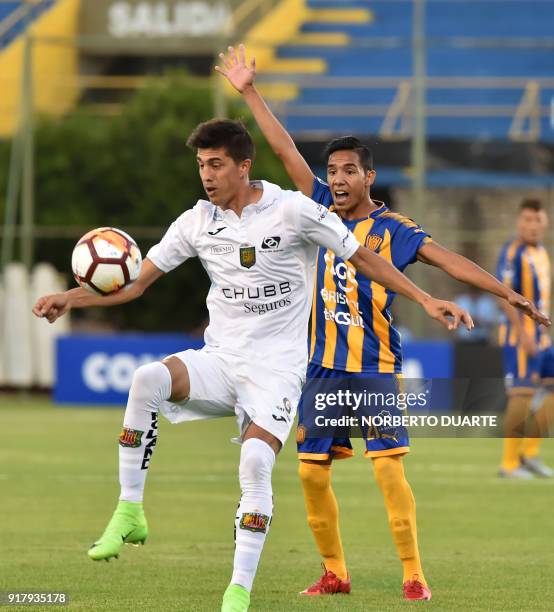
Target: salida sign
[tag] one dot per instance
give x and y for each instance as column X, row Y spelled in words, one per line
column 161, row 20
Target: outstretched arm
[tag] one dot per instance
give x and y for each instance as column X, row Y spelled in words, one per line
column 382, row 272
column 463, row 269
column 53, row 306
column 241, row 76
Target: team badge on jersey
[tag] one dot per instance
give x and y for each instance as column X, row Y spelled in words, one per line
column 373, row 242
column 247, row 256
column 254, row 521
column 130, row 438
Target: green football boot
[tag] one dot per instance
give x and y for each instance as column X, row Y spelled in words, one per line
column 235, row 599
column 127, row 526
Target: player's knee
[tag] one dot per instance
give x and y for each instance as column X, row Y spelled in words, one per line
column 388, row 472
column 151, row 385
column 315, row 476
column 256, row 462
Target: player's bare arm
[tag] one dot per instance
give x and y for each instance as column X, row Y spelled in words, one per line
column 381, row 271
column 53, row 306
column 241, row 74
column 463, row 269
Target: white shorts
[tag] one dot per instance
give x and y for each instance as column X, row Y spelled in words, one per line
column 224, row 385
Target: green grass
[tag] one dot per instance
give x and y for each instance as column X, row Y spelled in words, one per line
column 486, row 544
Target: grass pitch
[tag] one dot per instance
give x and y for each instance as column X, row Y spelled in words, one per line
column 486, row 544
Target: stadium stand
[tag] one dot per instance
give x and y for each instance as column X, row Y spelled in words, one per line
column 52, row 24
column 501, row 54
column 14, row 18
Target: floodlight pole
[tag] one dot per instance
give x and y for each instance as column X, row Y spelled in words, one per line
column 418, row 152
column 28, row 175
column 219, row 96
column 12, row 200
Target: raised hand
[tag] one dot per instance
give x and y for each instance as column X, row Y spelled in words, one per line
column 527, row 307
column 441, row 310
column 235, row 69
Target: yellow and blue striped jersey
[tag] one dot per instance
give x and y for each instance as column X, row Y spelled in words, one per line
column 351, row 324
column 526, row 269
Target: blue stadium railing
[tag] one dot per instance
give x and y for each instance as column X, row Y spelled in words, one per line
column 496, row 39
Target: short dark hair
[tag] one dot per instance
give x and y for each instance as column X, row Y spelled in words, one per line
column 531, row 204
column 225, row 133
column 351, row 143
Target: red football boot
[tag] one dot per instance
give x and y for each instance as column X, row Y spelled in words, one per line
column 415, row 590
column 328, row 584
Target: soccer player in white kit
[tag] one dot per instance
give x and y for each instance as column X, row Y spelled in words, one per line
column 258, row 244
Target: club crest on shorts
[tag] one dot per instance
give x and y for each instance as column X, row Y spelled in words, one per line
column 373, row 242
column 254, row 521
column 131, row 438
column 247, row 256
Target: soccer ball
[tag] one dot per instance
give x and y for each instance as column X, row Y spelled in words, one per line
column 105, row 260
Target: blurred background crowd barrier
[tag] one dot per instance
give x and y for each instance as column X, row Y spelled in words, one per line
column 456, row 99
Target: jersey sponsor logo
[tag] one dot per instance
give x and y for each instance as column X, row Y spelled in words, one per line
column 336, row 297
column 247, row 256
column 254, row 521
column 265, row 206
column 216, row 231
column 222, row 249
column 344, row 318
column 373, row 241
column 345, row 273
column 261, row 309
column 256, row 293
column 131, row 438
column 271, row 243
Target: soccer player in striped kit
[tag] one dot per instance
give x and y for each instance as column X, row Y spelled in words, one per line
column 352, row 333
column 528, row 355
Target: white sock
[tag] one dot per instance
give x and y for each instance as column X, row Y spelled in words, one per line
column 150, row 387
column 255, row 509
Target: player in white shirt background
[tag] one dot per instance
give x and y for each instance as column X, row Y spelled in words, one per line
column 258, row 244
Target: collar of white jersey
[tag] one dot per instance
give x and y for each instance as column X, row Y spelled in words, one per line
column 270, row 193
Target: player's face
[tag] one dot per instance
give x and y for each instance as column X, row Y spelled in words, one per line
column 220, row 174
column 348, row 181
column 531, row 225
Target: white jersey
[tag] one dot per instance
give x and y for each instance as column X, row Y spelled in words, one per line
column 261, row 267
